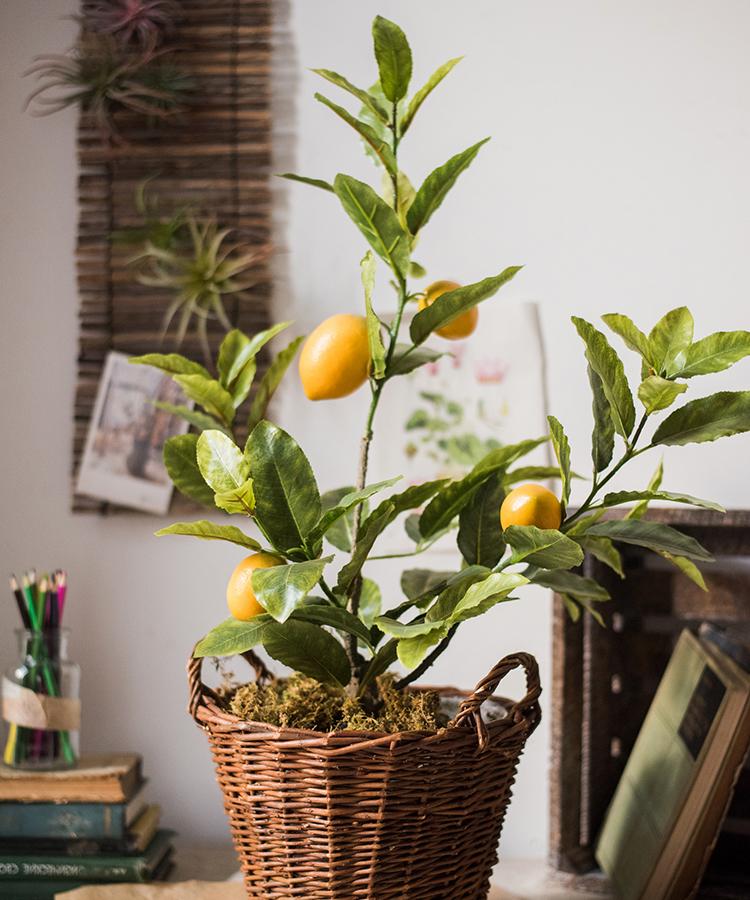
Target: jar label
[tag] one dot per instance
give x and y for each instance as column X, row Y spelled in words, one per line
column 28, row 709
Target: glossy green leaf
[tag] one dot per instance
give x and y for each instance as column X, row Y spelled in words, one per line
column 412, row 651
column 200, row 420
column 393, row 56
column 374, row 336
column 270, row 382
column 416, row 270
column 281, row 589
column 364, row 97
column 633, row 337
column 543, row 547
column 561, row 447
column 370, row 601
column 407, row 358
column 480, row 537
column 309, row 649
column 484, row 594
column 384, row 658
column 706, row 419
column 453, row 592
column 603, row 435
column 208, row 393
column 345, row 503
column 210, row 531
column 652, row 535
column 423, row 93
column 180, row 459
column 532, row 473
column 303, row 179
column 418, row 582
column 221, row 462
column 688, row 568
column 172, row 363
column 657, row 393
column 715, row 353
column 333, row 617
column 340, row 532
column 618, row 497
column 414, row 496
column 573, row 610
column 605, row 551
column 669, row 340
column 436, row 186
column 369, row 531
column 233, row 637
column 380, row 147
column 239, row 500
column 452, row 303
column 230, row 347
column 400, row 630
column 608, row 366
column 287, row 502
column 577, row 586
column 376, row 220
column 639, row 510
column 247, row 353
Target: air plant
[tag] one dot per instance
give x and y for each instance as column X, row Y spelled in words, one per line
column 202, row 273
column 101, row 76
column 161, row 229
column 144, row 22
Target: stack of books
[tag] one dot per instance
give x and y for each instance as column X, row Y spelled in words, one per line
column 672, row 820
column 87, row 825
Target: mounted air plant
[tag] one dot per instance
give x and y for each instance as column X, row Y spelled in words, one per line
column 159, row 228
column 102, row 77
column 143, row 22
column 202, row 272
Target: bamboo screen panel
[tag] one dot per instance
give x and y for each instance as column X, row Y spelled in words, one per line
column 216, row 157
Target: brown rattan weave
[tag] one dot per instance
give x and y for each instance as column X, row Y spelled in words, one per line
column 345, row 815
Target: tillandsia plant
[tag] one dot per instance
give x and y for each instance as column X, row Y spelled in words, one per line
column 143, row 22
column 511, row 531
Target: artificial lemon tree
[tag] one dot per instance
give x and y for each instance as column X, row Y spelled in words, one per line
column 303, row 592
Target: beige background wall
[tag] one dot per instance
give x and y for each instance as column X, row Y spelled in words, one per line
column 618, row 174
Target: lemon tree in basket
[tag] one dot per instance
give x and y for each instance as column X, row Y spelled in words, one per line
column 302, row 591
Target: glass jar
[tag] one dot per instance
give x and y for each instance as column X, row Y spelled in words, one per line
column 41, row 704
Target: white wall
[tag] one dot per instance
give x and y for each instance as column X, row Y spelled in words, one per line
column 617, row 174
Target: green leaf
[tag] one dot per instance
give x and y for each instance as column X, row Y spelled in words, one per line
column 633, row 337
column 180, row 459
column 333, row 617
column 246, row 355
column 393, row 57
column 603, row 435
column 416, row 270
column 210, row 531
column 451, row 499
column 400, row 630
column 561, row 447
column 307, row 648
column 483, row 594
column 270, row 382
column 574, row 611
column 281, row 589
column 423, row 93
column 370, row 136
column 364, row 97
column 669, row 340
column 532, row 473
column 208, row 393
column 652, row 535
column 412, row 651
column 374, row 337
column 376, row 220
column 369, row 531
column 313, row 182
column 233, row 637
column 341, row 532
column 200, row 420
column 230, row 347
column 569, row 583
column 480, row 538
column 342, row 506
column 221, row 461
column 172, row 363
column 370, row 601
column 384, row 658
column 706, row 419
column 605, row 551
column 618, row 497
column 452, row 303
column 287, row 502
column 608, row 366
column 543, row 547
column 639, row 510
column 688, row 568
column 419, row 582
column 407, row 358
column 237, row 500
column 437, row 184
column 453, row 591
column 413, row 497
column 657, row 393
column 715, row 353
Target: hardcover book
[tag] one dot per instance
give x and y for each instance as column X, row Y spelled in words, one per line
column 95, row 779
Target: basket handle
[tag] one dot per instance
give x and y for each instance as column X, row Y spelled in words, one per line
column 199, row 692
column 526, row 710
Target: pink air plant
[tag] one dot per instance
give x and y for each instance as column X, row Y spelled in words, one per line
column 141, row 21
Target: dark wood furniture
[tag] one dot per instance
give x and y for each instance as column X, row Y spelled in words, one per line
column 604, row 680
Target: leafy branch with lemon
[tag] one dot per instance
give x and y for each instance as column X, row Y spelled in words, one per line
column 511, row 531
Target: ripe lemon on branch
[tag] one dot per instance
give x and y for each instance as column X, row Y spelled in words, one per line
column 531, row 504
column 335, row 360
column 463, row 325
column 241, row 599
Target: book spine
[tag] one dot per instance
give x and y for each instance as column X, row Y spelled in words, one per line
column 81, row 869
column 92, row 821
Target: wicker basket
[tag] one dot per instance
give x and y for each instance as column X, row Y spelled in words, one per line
column 350, row 814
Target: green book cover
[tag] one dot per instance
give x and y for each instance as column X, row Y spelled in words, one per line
column 93, row 821
column 660, row 769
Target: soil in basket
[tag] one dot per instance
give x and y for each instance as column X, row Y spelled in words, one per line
column 301, row 702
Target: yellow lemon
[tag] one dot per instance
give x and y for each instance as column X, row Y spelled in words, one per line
column 335, row 360
column 462, row 326
column 241, row 599
column 531, row 504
